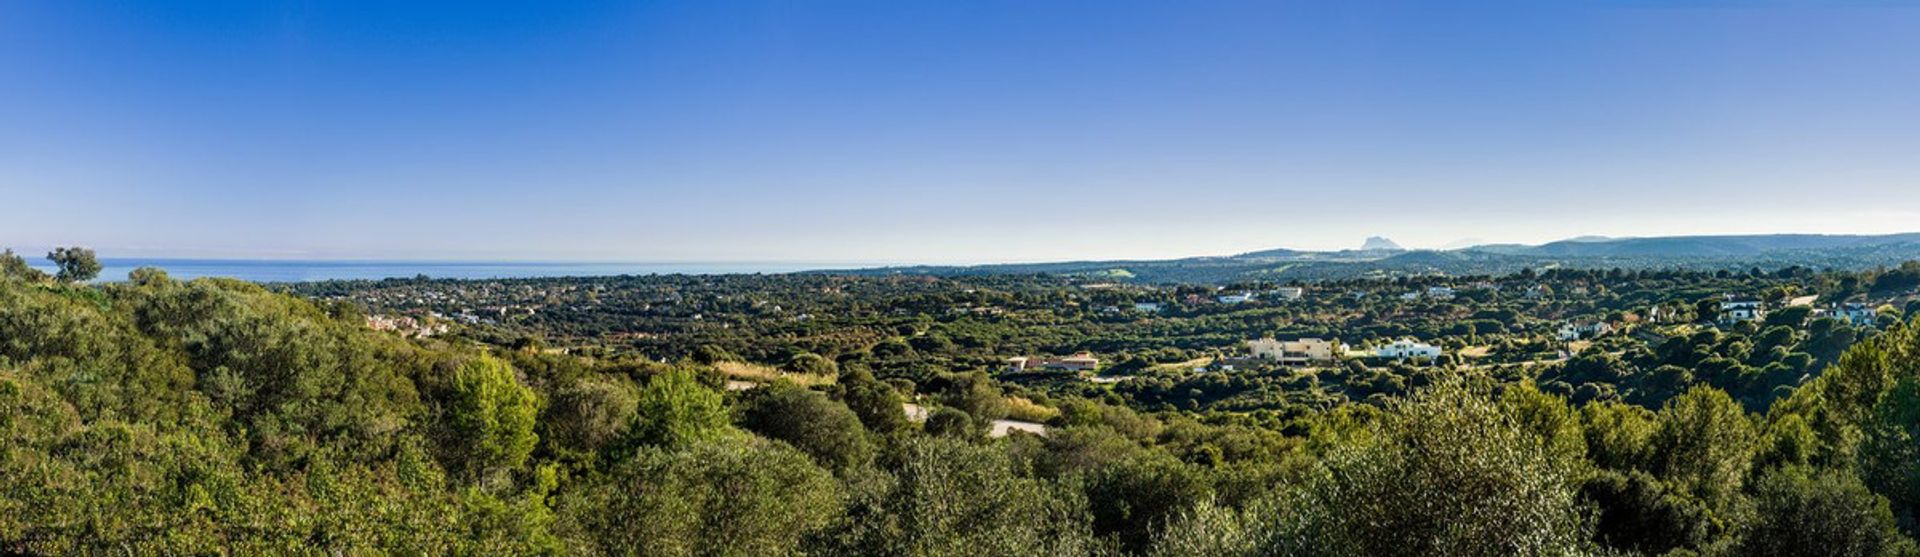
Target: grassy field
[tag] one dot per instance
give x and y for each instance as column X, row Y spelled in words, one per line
column 758, row 373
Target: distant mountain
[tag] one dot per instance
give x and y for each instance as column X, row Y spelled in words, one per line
column 1714, row 246
column 1381, row 257
column 1377, row 243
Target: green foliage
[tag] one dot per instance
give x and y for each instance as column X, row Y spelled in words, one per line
column 212, row 416
column 821, row 427
column 1704, row 447
column 14, row 267
column 675, row 410
column 1890, row 452
column 951, row 498
column 77, row 264
column 1619, row 436
column 726, row 497
column 1449, row 473
column 1133, row 500
column 812, row 364
column 876, row 403
column 491, row 417
column 1637, row 512
column 1209, row 530
column 952, row 422
column 588, row 414
column 1829, row 513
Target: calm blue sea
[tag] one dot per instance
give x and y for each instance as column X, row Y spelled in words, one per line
column 299, row 271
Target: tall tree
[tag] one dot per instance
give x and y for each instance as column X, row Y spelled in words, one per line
column 12, row 266
column 77, row 264
column 492, row 416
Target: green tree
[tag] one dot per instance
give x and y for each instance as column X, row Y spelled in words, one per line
column 1135, row 499
column 812, row 364
column 951, row 422
column 12, row 266
column 77, row 264
column 1637, row 512
column 1801, row 512
column 491, row 416
column 1890, row 452
column 1704, row 447
column 1446, row 473
column 1619, row 436
column 877, row 404
column 676, row 410
column 591, row 413
column 739, row 496
column 819, row 426
column 951, row 498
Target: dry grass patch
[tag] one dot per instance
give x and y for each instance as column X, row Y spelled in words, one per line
column 759, row 373
column 1020, row 408
column 1182, row 366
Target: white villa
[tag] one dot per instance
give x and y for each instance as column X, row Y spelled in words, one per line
column 1584, row 329
column 1146, row 307
column 1289, row 292
column 1236, row 298
column 1295, row 352
column 1440, row 292
column 1855, row 313
column 1407, row 348
column 1735, row 310
column 1082, row 361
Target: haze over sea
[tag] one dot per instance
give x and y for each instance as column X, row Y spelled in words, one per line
column 275, row 270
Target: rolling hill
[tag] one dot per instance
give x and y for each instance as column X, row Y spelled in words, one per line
column 1767, row 251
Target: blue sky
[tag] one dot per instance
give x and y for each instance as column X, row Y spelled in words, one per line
column 908, row 131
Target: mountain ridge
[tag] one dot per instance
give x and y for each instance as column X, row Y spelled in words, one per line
column 1703, row 252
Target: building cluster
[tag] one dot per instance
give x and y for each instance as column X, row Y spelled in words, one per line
column 1296, row 352
column 1312, row 351
column 1579, row 330
column 405, row 325
column 1736, row 309
column 1405, row 349
column 1082, row 361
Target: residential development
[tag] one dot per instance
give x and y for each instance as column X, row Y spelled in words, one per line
column 1407, row 348
column 1082, row 361
column 1295, row 352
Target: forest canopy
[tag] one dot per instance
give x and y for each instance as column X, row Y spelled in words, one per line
column 158, row 416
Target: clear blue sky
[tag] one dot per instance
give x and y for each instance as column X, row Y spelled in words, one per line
column 942, row 131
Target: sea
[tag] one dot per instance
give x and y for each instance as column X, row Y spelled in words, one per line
column 274, row 270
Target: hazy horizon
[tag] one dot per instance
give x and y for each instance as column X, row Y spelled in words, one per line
column 941, row 133
column 33, row 256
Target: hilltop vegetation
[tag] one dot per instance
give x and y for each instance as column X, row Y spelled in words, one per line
column 213, row 416
column 1384, row 259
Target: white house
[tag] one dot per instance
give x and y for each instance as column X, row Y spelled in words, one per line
column 1855, row 313
column 1440, row 292
column 1577, row 330
column 1146, row 307
column 1295, row 352
column 1082, row 361
column 1407, row 348
column 1289, row 293
column 1738, row 309
column 1410, row 296
column 1240, row 298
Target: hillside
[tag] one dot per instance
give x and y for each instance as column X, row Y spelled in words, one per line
column 1842, row 252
